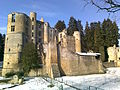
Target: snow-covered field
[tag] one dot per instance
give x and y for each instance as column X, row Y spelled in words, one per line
column 108, row 81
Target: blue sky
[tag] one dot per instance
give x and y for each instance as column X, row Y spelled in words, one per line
column 53, row 10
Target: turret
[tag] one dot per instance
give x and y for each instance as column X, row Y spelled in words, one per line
column 33, row 27
column 77, row 41
column 46, row 28
column 18, row 33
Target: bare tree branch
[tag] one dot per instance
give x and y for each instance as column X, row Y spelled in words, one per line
column 111, row 5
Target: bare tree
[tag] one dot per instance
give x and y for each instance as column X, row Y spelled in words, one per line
column 108, row 5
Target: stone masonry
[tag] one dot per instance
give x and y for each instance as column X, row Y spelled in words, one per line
column 57, row 50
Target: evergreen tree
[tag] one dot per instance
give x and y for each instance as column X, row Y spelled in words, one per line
column 87, row 36
column 109, row 33
column 115, row 34
column 72, row 26
column 96, row 30
column 60, row 25
column 2, row 41
column 101, row 36
column 80, row 28
column 29, row 58
column 0, row 46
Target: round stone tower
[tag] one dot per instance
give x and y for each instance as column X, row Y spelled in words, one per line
column 77, row 41
column 33, row 17
column 17, row 35
column 46, row 28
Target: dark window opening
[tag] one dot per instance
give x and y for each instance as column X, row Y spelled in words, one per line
column 39, row 39
column 12, row 28
column 32, row 34
column 32, row 40
column 119, row 58
column 111, row 60
column 26, row 29
column 60, row 35
column 26, row 21
column 97, row 57
column 18, row 44
column 39, row 33
column 13, row 17
column 32, row 18
column 39, row 26
column 32, row 27
column 7, row 38
column 8, row 63
column 9, row 49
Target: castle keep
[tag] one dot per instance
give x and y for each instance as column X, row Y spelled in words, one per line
column 20, row 30
column 60, row 53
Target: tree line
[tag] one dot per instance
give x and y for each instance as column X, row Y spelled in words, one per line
column 97, row 36
column 2, row 40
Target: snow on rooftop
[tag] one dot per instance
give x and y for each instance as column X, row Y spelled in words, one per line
column 88, row 54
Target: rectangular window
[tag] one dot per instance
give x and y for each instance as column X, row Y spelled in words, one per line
column 13, row 17
column 32, row 18
column 32, row 27
column 60, row 35
column 32, row 34
column 26, row 22
column 39, row 26
column 39, row 33
column 12, row 28
column 32, row 40
column 39, row 39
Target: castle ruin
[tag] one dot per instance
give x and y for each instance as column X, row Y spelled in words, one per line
column 62, row 52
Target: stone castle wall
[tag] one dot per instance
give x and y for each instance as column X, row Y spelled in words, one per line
column 58, row 49
column 114, row 55
column 73, row 64
column 15, row 40
column 77, row 41
column 70, row 43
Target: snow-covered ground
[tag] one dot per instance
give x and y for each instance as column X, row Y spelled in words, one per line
column 108, row 81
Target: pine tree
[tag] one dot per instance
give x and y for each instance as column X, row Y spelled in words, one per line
column 0, row 46
column 72, row 26
column 110, row 33
column 97, row 35
column 2, row 41
column 29, row 58
column 60, row 25
column 115, row 34
column 80, row 28
column 87, row 37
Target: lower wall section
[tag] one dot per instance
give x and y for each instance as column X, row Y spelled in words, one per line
column 38, row 72
column 73, row 64
column 83, row 65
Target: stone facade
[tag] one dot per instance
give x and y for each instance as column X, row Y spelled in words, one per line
column 75, row 64
column 20, row 30
column 114, row 55
column 18, row 33
column 57, row 50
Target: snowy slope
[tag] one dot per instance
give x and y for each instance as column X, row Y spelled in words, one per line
column 108, row 81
